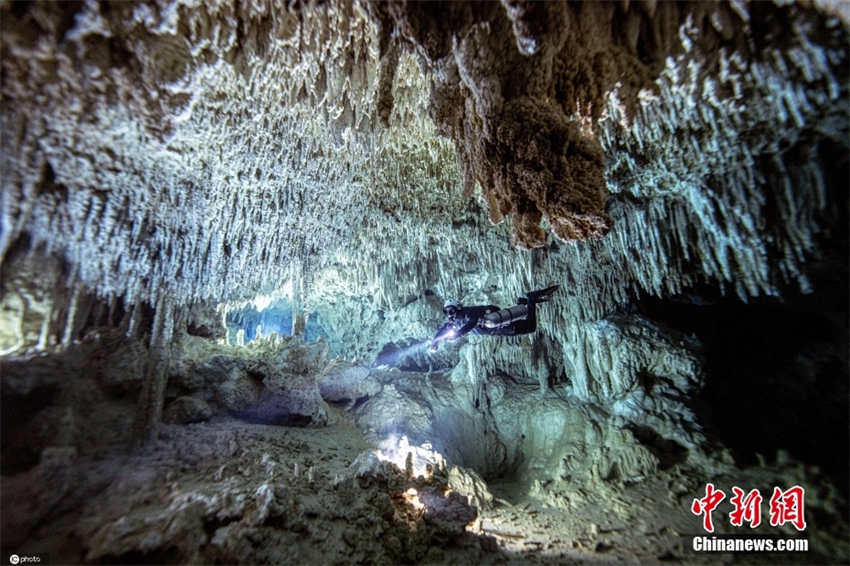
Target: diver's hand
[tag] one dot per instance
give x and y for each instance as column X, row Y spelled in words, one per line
column 433, row 347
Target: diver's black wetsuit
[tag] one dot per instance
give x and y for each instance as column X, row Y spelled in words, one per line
column 466, row 320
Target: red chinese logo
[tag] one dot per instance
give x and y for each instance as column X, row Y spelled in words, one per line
column 788, row 507
column 707, row 504
column 746, row 508
column 785, row 507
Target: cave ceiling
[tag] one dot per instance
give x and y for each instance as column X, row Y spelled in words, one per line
column 203, row 150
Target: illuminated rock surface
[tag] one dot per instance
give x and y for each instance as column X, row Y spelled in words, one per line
column 184, row 183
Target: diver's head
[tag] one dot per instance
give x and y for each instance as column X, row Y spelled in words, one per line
column 450, row 308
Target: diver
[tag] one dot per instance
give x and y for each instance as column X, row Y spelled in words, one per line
column 490, row 319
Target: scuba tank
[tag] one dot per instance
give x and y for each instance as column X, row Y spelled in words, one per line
column 505, row 316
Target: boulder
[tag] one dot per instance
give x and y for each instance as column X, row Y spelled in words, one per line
column 447, row 513
column 290, row 407
column 348, row 382
column 291, row 399
column 469, row 483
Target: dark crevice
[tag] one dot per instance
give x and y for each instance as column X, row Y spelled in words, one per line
column 200, row 330
column 668, row 452
column 212, row 524
column 777, row 371
column 263, row 415
column 777, row 368
column 359, row 402
column 348, row 404
column 20, row 412
column 48, row 185
column 255, row 375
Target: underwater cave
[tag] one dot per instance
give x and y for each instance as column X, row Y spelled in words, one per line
column 400, row 282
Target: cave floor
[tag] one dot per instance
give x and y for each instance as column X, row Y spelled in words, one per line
column 629, row 526
column 226, row 491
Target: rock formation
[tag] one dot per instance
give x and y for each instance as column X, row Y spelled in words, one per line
column 186, row 183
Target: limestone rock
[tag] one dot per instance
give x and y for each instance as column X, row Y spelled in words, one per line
column 347, row 382
column 124, row 369
column 184, row 410
column 367, row 467
column 205, row 322
column 27, row 302
column 23, row 375
column 394, row 411
column 467, row 482
column 450, row 513
column 168, row 156
column 267, row 382
column 238, row 391
column 291, row 407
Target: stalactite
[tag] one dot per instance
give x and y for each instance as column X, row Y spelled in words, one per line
column 384, row 205
column 70, row 317
column 132, row 318
column 289, row 164
column 299, row 319
column 151, row 397
column 682, row 213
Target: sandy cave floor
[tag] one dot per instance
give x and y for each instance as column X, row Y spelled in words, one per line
column 201, row 494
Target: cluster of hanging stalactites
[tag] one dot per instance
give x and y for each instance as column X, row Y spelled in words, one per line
column 693, row 175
